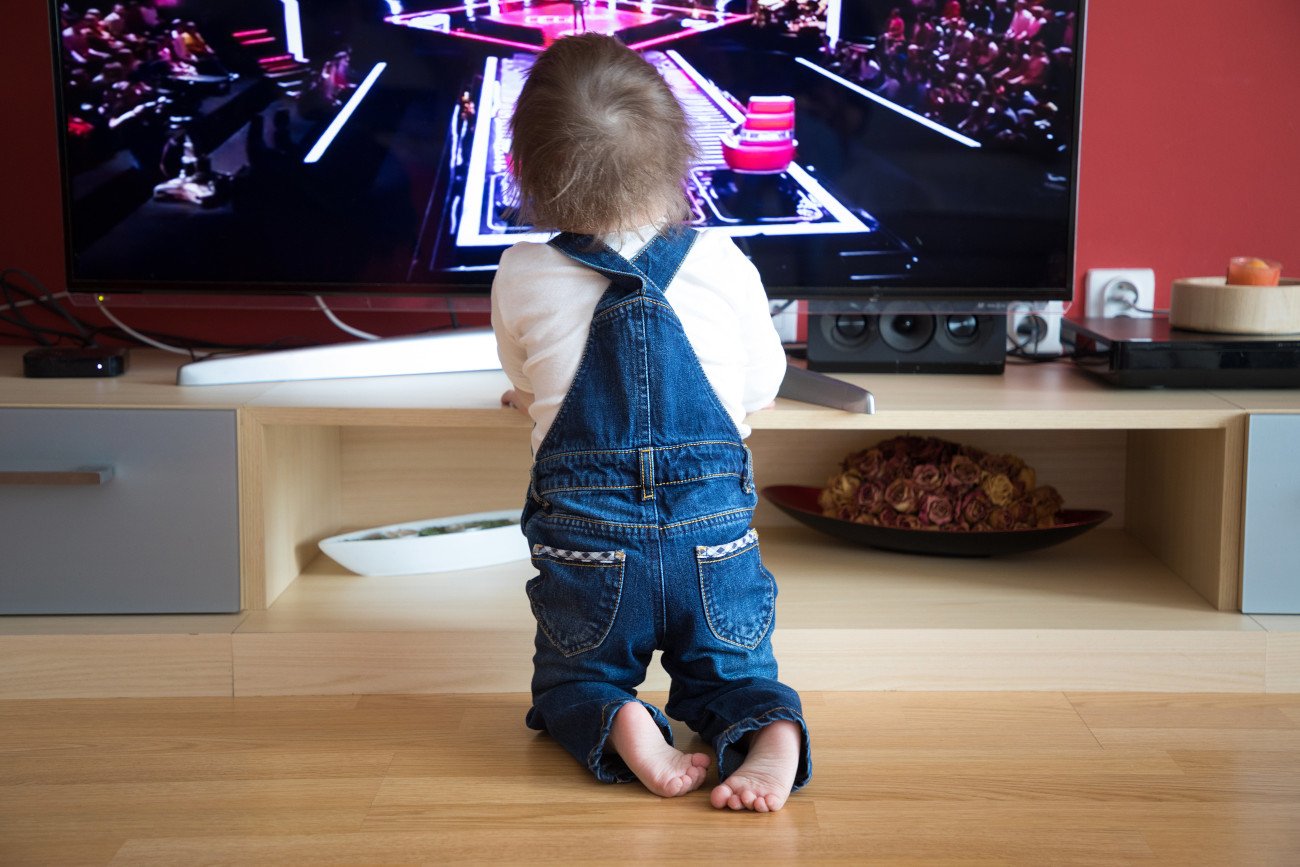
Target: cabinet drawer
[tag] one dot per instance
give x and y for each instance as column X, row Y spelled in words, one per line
column 118, row 511
column 1270, row 582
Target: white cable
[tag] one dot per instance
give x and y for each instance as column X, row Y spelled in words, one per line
column 355, row 332
column 99, row 300
column 30, row 302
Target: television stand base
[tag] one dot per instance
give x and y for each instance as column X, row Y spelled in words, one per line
column 450, row 352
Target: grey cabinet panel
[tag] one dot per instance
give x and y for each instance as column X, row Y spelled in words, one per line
column 118, row 511
column 1271, row 559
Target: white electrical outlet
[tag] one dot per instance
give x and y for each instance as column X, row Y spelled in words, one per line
column 1127, row 292
column 1034, row 330
column 785, row 318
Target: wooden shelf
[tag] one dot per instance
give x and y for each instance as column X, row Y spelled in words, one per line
column 1102, row 580
column 1099, row 612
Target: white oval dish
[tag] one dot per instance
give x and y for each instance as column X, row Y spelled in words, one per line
column 413, row 555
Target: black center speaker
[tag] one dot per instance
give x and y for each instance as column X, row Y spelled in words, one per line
column 908, row 338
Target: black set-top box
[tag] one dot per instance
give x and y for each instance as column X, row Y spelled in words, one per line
column 1151, row 352
column 50, row 362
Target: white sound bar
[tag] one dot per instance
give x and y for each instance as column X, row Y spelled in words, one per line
column 453, row 352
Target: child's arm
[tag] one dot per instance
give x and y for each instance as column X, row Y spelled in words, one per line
column 516, row 399
column 766, row 361
column 512, row 355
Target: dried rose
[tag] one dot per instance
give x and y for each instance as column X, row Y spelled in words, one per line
column 896, row 447
column 1046, row 502
column 999, row 519
column 927, row 477
column 869, row 464
column 936, row 509
column 870, row 497
column 901, row 495
column 846, row 485
column 909, row 522
column 999, row 488
column 996, row 465
column 963, row 472
column 930, row 450
column 1022, row 513
column 911, row 480
column 975, row 508
column 897, row 467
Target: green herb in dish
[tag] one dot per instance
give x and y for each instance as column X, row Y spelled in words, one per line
column 438, row 529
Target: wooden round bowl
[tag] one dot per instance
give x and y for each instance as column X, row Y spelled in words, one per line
column 1212, row 304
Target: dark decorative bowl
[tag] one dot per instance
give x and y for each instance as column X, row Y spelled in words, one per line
column 800, row 503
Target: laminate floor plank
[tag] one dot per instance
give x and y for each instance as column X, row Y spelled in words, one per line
column 900, row 778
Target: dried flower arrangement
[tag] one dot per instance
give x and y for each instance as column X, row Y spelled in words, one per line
column 926, row 483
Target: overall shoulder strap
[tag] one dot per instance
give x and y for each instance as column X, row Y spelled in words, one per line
column 656, row 264
column 661, row 259
column 596, row 255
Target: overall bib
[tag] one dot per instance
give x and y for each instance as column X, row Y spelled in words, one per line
column 638, row 516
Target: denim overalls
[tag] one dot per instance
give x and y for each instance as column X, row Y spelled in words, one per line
column 638, row 516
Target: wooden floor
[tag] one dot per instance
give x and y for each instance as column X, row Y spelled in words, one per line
column 900, row 778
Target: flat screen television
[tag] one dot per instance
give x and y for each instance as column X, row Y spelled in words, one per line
column 855, row 149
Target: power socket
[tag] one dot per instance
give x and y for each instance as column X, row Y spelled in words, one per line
column 1115, row 292
column 785, row 319
column 1035, row 329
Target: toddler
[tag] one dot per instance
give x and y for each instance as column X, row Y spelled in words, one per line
column 637, row 346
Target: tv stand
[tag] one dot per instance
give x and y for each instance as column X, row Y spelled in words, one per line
column 458, row 351
column 1148, row 601
column 451, row 352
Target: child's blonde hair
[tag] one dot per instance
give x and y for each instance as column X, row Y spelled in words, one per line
column 599, row 142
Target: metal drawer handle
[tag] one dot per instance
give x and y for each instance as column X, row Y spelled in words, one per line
column 79, row 476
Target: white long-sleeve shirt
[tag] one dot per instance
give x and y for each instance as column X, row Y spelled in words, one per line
column 543, row 301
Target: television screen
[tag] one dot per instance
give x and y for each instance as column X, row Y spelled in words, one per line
column 853, row 148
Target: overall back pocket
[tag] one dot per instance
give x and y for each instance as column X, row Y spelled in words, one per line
column 739, row 593
column 575, row 598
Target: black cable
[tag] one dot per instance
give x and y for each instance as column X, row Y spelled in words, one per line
column 32, row 331
column 45, row 301
column 1021, row 359
column 39, row 332
column 13, row 315
column 88, row 334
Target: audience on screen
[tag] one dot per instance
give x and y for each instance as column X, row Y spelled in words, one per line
column 120, row 66
column 994, row 70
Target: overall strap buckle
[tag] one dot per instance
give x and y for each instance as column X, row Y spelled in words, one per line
column 646, row 464
column 747, row 478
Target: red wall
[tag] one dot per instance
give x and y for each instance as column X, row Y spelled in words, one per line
column 1190, row 155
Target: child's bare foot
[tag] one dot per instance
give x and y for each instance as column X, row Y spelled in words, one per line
column 661, row 767
column 763, row 781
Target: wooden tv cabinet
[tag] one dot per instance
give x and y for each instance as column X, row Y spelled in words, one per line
column 1149, row 601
